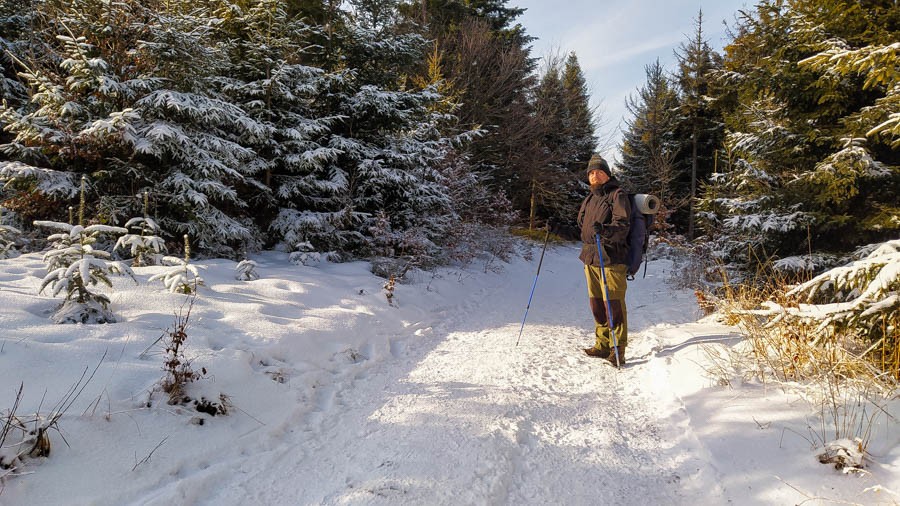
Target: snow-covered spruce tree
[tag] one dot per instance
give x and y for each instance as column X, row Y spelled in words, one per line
column 488, row 64
column 73, row 266
column 551, row 182
column 15, row 18
column 136, row 102
column 245, row 270
column 73, row 85
column 649, row 146
column 741, row 209
column 803, row 122
column 863, row 295
column 143, row 242
column 854, row 307
column 194, row 129
column 390, row 142
column 700, row 127
column 270, row 80
column 862, row 178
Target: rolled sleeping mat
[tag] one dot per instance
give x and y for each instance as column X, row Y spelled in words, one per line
column 646, row 203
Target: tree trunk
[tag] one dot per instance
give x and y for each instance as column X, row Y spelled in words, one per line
column 693, row 183
column 532, row 213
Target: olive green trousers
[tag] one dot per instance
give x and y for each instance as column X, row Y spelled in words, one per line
column 616, row 285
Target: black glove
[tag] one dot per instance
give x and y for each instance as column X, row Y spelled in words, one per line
column 598, row 227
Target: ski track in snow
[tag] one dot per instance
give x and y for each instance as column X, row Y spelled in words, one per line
column 464, row 416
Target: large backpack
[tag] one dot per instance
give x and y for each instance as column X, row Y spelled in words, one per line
column 643, row 212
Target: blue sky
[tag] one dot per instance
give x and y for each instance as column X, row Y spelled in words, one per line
column 614, row 40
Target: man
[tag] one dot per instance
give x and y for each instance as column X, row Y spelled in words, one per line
column 606, row 210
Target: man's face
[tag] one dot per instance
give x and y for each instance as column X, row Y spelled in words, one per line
column 597, row 177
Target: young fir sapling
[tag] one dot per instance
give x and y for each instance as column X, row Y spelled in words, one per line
column 245, row 270
column 144, row 243
column 182, row 277
column 8, row 235
column 74, row 266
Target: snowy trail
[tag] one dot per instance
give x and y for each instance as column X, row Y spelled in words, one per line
column 337, row 397
column 466, row 417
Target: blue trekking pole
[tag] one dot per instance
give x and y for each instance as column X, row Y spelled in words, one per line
column 541, row 261
column 609, row 316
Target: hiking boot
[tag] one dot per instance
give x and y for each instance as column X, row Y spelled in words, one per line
column 612, row 356
column 594, row 352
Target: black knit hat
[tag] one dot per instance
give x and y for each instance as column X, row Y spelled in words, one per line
column 598, row 163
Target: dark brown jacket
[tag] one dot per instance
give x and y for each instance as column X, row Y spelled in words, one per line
column 609, row 206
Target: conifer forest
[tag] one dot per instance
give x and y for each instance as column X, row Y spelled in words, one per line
column 424, row 130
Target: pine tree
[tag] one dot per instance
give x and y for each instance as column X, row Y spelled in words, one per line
column 268, row 79
column 489, row 68
column 804, row 123
column 547, row 179
column 74, row 266
column 581, row 126
column 443, row 17
column 389, row 141
column 700, row 124
column 649, row 145
column 872, row 132
column 136, row 103
column 581, row 139
column 15, row 18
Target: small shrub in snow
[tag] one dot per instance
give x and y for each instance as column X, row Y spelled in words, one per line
column 245, row 271
column 8, row 236
column 143, row 243
column 819, row 337
column 855, row 308
column 182, row 277
column 178, row 370
column 389, row 290
column 213, row 408
column 306, row 254
column 22, row 437
column 73, row 266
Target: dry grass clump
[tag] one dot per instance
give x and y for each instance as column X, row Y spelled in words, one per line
column 23, row 437
column 798, row 349
column 845, row 377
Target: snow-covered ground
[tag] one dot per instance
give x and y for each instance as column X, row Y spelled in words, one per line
column 340, row 398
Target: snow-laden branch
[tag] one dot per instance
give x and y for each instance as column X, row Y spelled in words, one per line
column 861, row 294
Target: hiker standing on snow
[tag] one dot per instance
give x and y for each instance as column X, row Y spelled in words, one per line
column 606, row 210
